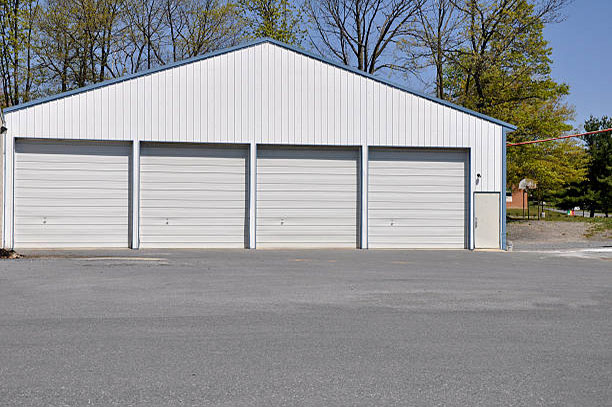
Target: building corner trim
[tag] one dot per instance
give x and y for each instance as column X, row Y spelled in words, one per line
column 364, row 196
column 252, row 195
column 135, row 181
column 503, row 242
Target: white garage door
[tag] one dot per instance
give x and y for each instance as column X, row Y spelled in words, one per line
column 417, row 199
column 193, row 196
column 71, row 194
column 307, row 198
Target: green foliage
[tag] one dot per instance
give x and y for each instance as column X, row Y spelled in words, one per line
column 598, row 188
column 595, row 192
column 504, row 72
column 277, row 19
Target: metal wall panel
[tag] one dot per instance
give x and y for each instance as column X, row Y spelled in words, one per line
column 417, row 198
column 267, row 94
column 192, row 196
column 307, row 198
column 71, row 194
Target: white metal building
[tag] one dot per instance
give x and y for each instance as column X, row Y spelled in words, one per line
column 261, row 145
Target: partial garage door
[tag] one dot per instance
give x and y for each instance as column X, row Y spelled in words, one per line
column 71, row 194
column 193, row 196
column 307, row 198
column 417, row 198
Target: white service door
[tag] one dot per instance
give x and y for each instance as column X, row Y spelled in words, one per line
column 417, row 199
column 486, row 220
column 193, row 196
column 307, row 198
column 71, row 194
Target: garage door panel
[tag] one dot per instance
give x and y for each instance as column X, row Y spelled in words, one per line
column 195, row 207
column 440, row 208
column 208, row 178
column 32, row 229
column 418, row 179
column 29, row 184
column 314, row 211
column 71, row 194
column 305, row 188
column 420, row 156
column 276, row 205
column 307, row 198
column 445, row 222
column 429, row 189
column 80, row 243
column 67, row 195
column 187, row 220
column 306, row 179
column 416, row 198
column 214, row 233
column 196, row 170
column 59, row 219
column 418, row 234
column 309, row 221
column 193, row 196
column 203, row 186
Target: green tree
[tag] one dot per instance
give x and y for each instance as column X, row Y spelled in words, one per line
column 598, row 186
column 17, row 59
column 503, row 70
column 277, row 19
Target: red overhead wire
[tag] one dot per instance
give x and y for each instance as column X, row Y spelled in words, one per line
column 559, row 138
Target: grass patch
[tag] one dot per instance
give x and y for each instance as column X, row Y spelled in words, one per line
column 599, row 226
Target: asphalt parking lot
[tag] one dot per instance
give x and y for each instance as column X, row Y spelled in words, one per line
column 306, row 328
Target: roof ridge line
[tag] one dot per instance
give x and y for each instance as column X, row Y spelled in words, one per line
column 249, row 44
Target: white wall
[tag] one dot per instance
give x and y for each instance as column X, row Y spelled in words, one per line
column 267, row 94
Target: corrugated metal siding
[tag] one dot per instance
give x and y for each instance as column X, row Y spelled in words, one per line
column 267, row 94
column 71, row 194
column 193, row 196
column 307, row 198
column 417, row 198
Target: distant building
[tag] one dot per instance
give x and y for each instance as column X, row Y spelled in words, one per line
column 515, row 198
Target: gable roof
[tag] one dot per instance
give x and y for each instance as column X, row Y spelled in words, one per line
column 251, row 44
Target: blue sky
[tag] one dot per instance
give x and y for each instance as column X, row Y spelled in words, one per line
column 582, row 55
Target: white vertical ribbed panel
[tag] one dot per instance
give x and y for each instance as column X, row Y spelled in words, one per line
column 267, row 94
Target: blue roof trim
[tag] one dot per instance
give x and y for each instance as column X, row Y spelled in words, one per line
column 247, row 45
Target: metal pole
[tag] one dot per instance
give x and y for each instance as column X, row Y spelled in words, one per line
column 527, row 191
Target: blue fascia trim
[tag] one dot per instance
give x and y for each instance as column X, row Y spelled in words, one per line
column 391, row 83
column 251, row 44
